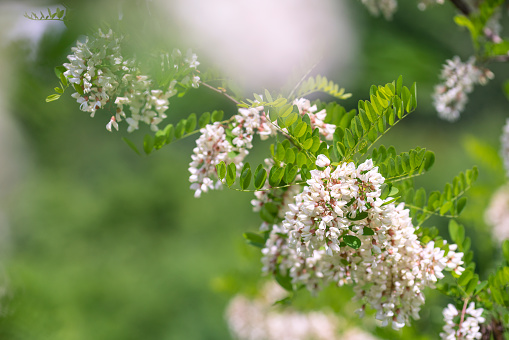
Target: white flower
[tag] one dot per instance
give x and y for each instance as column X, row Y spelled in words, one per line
column 311, row 243
column 386, row 7
column 112, row 123
column 468, row 329
column 322, row 161
column 497, row 214
column 459, row 78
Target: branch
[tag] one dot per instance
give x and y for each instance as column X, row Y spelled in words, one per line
column 462, row 7
column 223, row 93
column 462, row 317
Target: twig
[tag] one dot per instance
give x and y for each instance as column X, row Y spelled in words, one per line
column 223, row 93
column 462, row 318
column 462, row 7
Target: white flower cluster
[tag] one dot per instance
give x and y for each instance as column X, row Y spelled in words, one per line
column 92, row 69
column 316, row 118
column 228, row 143
column 497, row 214
column 386, row 7
column 259, row 319
column 459, row 78
column 100, row 74
column 504, row 143
column 389, row 270
column 469, row 329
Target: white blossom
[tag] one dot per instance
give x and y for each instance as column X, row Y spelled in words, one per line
column 504, row 149
column 101, row 75
column 389, row 270
column 212, row 146
column 451, row 96
column 497, row 214
column 468, row 329
column 386, row 7
column 259, row 319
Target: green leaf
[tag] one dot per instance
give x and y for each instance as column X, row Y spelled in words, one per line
column 457, row 232
column 290, row 173
column 191, row 123
column 465, row 277
column 461, row 205
column 505, row 250
column 231, row 174
column 284, row 281
column 255, row 239
column 300, row 130
column 480, row 287
column 245, row 176
column 169, row 131
column 446, row 207
column 275, row 175
column 180, row 129
column 429, row 160
column 159, row 140
column 367, row 231
column 221, row 170
column 470, row 287
column 268, row 97
column 289, row 156
column 352, row 241
column 260, row 177
column 217, row 115
column 52, row 97
column 399, row 84
column 268, row 213
column 148, row 144
column 59, row 70
column 204, row 120
column 131, row 145
column 358, row 217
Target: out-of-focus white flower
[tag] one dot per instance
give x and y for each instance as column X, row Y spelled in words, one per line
column 423, row 4
column 497, row 214
column 469, row 328
column 504, row 146
column 386, row 7
column 451, row 96
column 259, row 319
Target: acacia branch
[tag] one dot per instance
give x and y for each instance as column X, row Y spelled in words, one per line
column 462, row 6
column 222, row 92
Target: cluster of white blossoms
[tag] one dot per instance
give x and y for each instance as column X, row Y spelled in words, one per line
column 92, row 70
column 259, row 319
column 316, row 118
column 504, row 146
column 497, row 214
column 100, row 75
column 467, row 329
column 386, row 7
column 227, row 142
column 459, row 78
column 342, row 206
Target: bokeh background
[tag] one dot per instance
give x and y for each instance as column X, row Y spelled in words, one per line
column 97, row 242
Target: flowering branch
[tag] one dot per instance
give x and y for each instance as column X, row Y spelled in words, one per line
column 222, row 92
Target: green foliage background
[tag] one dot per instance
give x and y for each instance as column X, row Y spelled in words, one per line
column 105, row 244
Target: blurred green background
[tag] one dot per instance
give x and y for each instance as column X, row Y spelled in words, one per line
column 100, row 243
